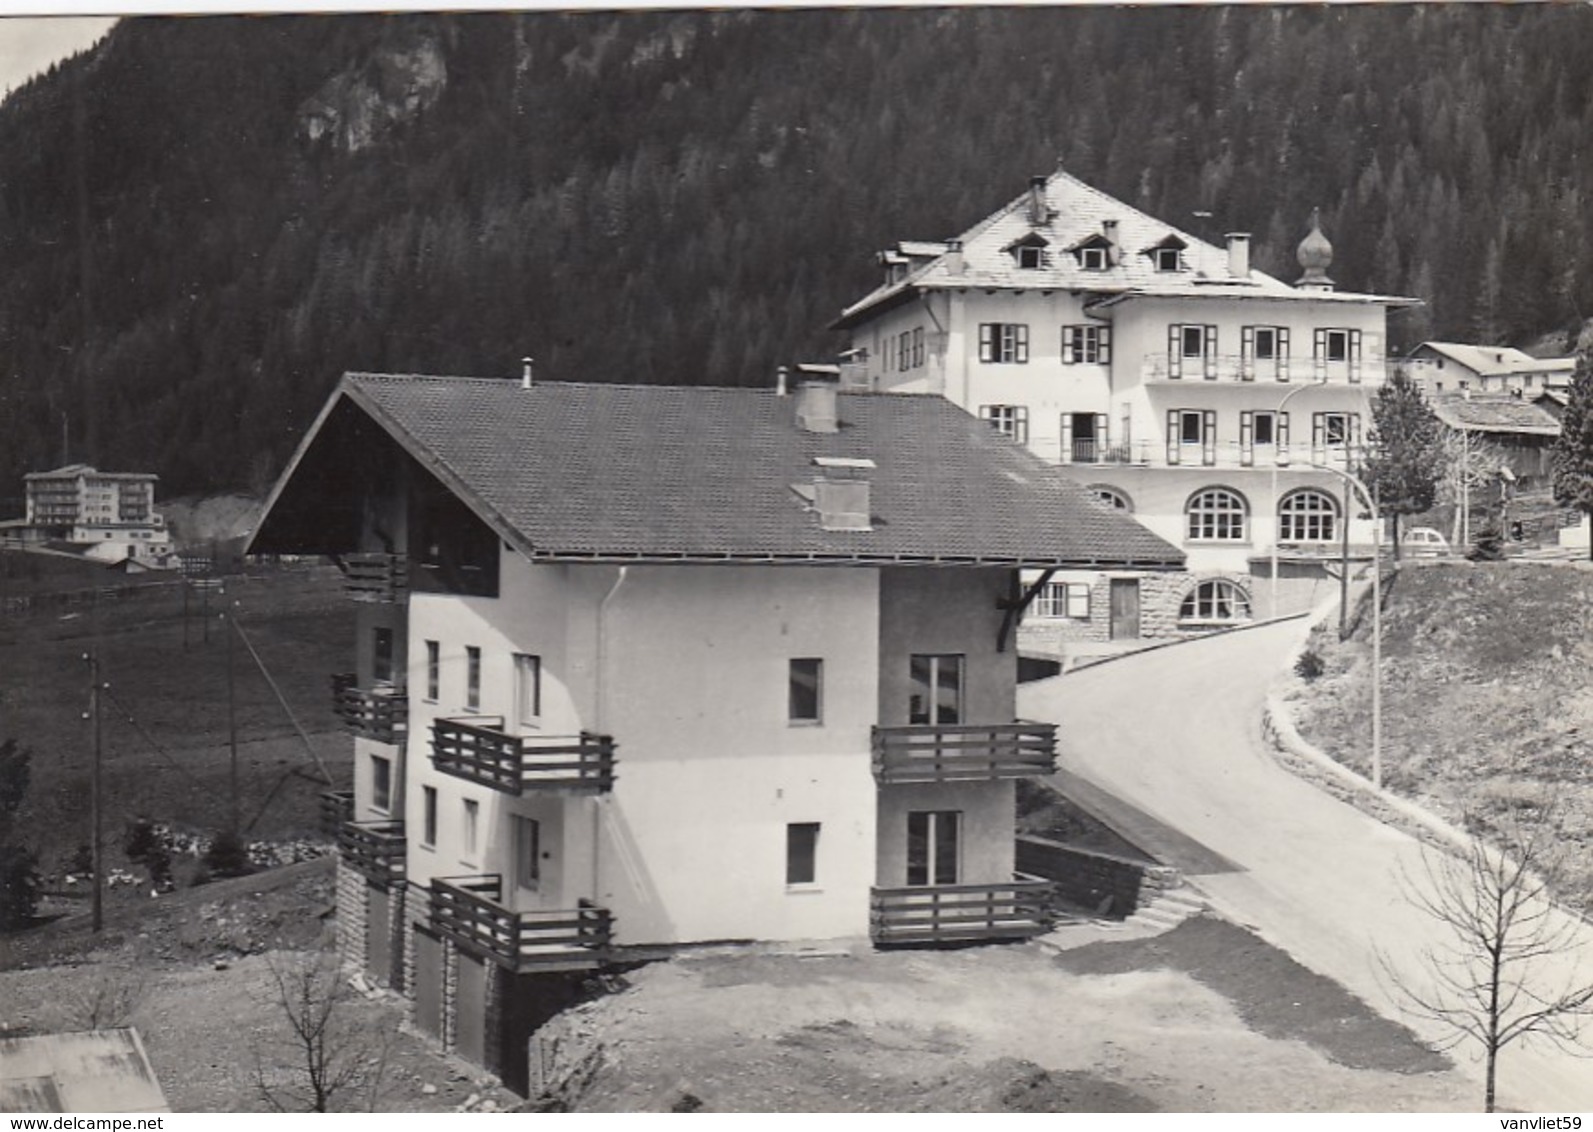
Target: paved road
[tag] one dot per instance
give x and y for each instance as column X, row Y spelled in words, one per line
column 1176, row 733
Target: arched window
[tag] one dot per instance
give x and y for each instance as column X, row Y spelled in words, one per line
column 1217, row 514
column 1308, row 515
column 1111, row 496
column 1216, row 602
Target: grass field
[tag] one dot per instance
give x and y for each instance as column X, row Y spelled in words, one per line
column 165, row 718
column 1487, row 697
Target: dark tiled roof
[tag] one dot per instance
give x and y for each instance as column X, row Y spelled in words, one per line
column 571, row 470
column 1495, row 414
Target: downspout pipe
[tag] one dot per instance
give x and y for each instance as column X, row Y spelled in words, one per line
column 600, row 713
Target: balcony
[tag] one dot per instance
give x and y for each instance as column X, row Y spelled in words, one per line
column 960, row 913
column 1159, row 366
column 478, row 750
column 963, row 752
column 469, row 911
column 374, row 849
column 380, row 713
column 376, row 577
column 337, row 807
column 1096, row 452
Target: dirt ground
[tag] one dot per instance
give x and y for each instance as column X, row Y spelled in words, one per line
column 1204, row 1018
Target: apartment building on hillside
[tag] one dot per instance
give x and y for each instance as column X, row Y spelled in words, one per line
column 1164, row 374
column 652, row 665
column 107, row 515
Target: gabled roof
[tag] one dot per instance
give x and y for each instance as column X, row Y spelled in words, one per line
column 1495, row 413
column 72, row 471
column 1077, row 215
column 1491, row 361
column 567, row 471
column 81, row 1071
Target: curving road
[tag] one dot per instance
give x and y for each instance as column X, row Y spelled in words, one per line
column 1176, row 734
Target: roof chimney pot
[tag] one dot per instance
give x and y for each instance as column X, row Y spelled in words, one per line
column 1239, row 255
column 781, row 376
column 816, row 407
column 841, row 494
column 525, row 372
column 1038, row 212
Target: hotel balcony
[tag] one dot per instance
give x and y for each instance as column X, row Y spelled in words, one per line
column 380, row 713
column 374, row 849
column 1159, row 366
column 960, row 913
column 376, row 577
column 469, row 911
column 963, row 752
column 478, row 749
column 337, row 807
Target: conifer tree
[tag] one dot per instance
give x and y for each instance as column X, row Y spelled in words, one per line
column 1406, row 457
column 1573, row 451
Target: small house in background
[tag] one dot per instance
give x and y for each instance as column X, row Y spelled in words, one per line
column 645, row 665
column 1523, row 431
column 108, row 516
column 1454, row 367
column 82, row 1071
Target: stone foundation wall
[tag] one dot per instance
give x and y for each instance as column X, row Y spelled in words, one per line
column 397, row 918
column 1107, row 884
column 353, row 916
column 414, row 898
column 450, row 995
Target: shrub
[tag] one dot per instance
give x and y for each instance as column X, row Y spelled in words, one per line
column 19, row 886
column 1309, row 665
column 227, row 856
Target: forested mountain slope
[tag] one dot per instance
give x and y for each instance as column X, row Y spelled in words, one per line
column 205, row 220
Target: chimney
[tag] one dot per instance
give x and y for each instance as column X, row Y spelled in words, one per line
column 816, row 407
column 1113, row 254
column 1038, row 212
column 954, row 260
column 841, row 493
column 525, row 373
column 1239, row 255
column 780, row 377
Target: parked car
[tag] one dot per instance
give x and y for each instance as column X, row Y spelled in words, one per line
column 1424, row 542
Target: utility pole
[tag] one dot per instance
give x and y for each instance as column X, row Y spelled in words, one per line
column 96, row 857
column 1344, row 565
column 232, row 730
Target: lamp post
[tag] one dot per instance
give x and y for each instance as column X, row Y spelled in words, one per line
column 1377, row 616
column 1277, row 518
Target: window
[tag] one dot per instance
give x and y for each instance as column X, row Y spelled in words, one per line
column 1094, row 258
column 1031, row 255
column 1263, row 427
column 806, row 696
column 1111, row 497
column 434, row 671
column 1329, row 431
column 472, row 678
column 932, row 847
column 428, row 818
column 1192, row 351
column 1266, row 428
column 1264, row 352
column 382, row 655
column 1187, row 428
column 802, row 852
column 936, row 689
column 1063, row 599
column 1217, row 515
column 1168, row 259
column 1338, row 349
column 381, row 783
column 918, row 347
column 1217, row 601
column 1307, row 516
column 904, row 350
column 1086, row 345
column 1009, row 420
column 527, row 853
column 472, row 812
column 1004, row 342
column 528, row 688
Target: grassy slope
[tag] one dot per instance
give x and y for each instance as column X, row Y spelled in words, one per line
column 172, row 765
column 1487, row 696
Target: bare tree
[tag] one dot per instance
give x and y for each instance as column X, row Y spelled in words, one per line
column 327, row 1055
column 105, row 1000
column 1470, row 468
column 1491, row 981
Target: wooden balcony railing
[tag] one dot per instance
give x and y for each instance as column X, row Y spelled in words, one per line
column 468, row 910
column 478, row 750
column 953, row 913
column 376, row 577
column 337, row 807
column 963, row 752
column 374, row 713
column 375, row 849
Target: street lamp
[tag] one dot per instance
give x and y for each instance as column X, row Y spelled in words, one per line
column 1377, row 617
column 1277, row 518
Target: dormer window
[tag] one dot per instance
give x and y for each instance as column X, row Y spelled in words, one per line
column 1168, row 255
column 1029, row 252
column 1094, row 254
